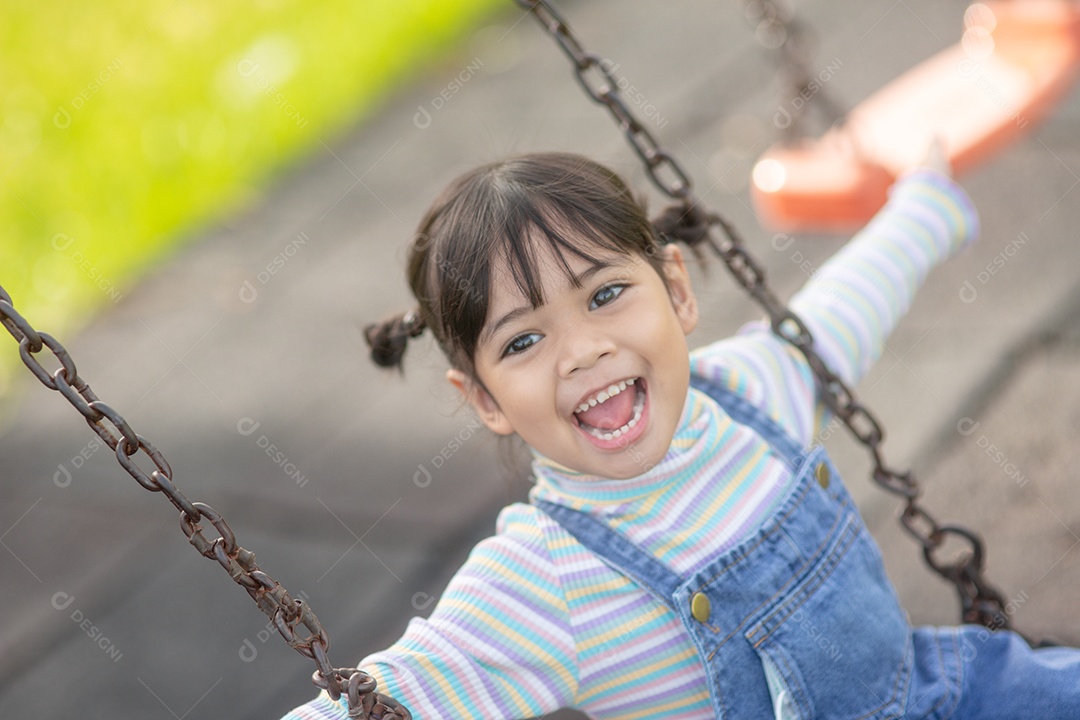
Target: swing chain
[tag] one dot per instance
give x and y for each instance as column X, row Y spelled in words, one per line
column 665, row 172
column 776, row 27
column 980, row 601
column 272, row 598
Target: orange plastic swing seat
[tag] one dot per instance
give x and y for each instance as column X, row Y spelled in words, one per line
column 1016, row 59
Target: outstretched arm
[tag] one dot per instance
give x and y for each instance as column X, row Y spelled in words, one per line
column 851, row 304
column 855, row 301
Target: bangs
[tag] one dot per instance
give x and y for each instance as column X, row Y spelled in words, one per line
column 525, row 242
column 518, row 215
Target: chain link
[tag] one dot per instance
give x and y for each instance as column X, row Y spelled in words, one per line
column 980, row 602
column 286, row 613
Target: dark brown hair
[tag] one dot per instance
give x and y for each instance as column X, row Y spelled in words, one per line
column 509, row 212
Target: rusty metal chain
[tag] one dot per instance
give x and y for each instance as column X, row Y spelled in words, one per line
column 777, row 28
column 980, row 602
column 287, row 613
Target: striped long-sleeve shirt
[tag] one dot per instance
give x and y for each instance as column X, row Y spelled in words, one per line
column 533, row 621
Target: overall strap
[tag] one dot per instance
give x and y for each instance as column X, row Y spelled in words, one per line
column 624, row 555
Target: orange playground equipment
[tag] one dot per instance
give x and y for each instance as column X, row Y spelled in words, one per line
column 1014, row 61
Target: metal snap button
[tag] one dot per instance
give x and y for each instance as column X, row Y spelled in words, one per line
column 823, row 475
column 700, row 607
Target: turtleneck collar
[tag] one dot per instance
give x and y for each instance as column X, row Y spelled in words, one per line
column 696, row 433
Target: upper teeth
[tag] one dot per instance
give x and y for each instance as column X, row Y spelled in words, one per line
column 603, row 395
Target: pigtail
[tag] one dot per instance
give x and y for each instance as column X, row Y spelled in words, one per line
column 387, row 339
column 685, row 223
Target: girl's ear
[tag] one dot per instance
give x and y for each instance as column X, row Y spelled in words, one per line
column 485, row 406
column 680, row 289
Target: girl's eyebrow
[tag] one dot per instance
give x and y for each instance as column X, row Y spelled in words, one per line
column 517, row 312
column 514, row 314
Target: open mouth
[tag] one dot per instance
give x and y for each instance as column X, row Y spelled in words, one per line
column 613, row 413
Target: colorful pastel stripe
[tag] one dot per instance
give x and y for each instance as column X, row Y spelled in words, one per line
column 534, row 622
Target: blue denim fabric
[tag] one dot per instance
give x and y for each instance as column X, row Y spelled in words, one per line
column 806, row 600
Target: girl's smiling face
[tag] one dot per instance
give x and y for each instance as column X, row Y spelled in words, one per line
column 595, row 378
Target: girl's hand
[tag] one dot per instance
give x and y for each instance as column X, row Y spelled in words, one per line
column 936, row 158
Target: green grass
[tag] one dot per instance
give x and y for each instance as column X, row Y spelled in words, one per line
column 123, row 123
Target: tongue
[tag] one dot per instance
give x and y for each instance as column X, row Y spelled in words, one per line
column 612, row 414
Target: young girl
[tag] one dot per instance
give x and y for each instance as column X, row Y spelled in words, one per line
column 688, row 551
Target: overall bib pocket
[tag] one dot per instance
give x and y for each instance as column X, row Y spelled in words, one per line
column 837, row 637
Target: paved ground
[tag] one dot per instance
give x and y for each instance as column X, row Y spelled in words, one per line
column 268, row 410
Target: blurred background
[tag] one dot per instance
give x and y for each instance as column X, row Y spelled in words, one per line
column 206, row 204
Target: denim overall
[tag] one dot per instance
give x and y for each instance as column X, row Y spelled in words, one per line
column 803, row 605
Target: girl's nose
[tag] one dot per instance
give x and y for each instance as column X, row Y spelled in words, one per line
column 582, row 348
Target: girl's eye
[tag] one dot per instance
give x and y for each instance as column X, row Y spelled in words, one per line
column 521, row 343
column 605, row 295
